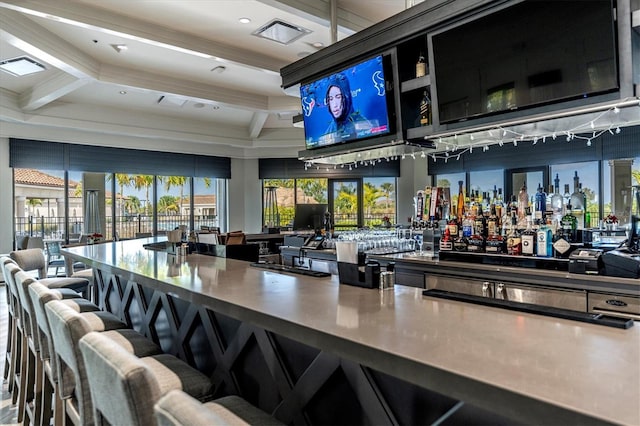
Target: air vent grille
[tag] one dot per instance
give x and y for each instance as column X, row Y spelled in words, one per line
column 281, row 32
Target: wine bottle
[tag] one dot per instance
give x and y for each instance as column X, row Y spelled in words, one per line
column 421, row 66
column 425, row 110
column 460, row 206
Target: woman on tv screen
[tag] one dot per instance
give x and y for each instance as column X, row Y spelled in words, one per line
column 345, row 118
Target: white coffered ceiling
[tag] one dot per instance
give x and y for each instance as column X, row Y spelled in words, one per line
column 166, row 84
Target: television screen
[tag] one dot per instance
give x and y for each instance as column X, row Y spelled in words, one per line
column 309, row 217
column 532, row 53
column 346, row 106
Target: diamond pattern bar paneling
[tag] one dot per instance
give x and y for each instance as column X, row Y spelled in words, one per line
column 297, row 383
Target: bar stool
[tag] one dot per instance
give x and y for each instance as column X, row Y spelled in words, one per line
column 13, row 336
column 21, row 366
column 67, row 327
column 124, row 387
column 178, row 408
column 34, row 259
column 47, row 381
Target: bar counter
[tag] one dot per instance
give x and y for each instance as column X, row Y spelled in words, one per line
column 516, row 366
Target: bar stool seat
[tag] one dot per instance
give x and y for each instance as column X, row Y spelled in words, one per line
column 124, row 387
column 51, row 401
column 34, row 259
column 67, row 327
column 178, row 408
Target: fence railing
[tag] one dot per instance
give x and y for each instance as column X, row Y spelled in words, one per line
column 126, row 226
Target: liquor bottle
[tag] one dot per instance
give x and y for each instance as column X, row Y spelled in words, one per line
column 567, row 194
column 557, row 204
column 460, row 207
column 495, row 242
column 540, row 204
column 514, row 241
column 476, row 242
column 529, row 238
column 425, row 110
column 421, row 66
column 467, row 225
column 577, row 202
column 545, row 241
column 452, row 226
column 480, row 223
column 446, row 242
column 493, row 226
column 460, row 243
column 561, row 245
column 473, row 206
column 569, row 224
column 523, row 203
column 499, row 205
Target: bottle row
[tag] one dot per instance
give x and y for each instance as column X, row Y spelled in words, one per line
column 543, row 225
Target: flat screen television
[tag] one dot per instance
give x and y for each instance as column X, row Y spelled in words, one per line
column 309, row 217
column 348, row 105
column 528, row 54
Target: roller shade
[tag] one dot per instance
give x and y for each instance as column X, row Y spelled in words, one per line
column 88, row 158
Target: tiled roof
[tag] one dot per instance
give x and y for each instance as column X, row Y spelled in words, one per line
column 36, row 177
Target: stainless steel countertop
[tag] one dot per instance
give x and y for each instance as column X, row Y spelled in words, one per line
column 520, row 365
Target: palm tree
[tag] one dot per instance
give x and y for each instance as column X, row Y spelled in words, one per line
column 122, row 179
column 387, row 189
column 33, row 203
column 167, row 204
column 132, row 204
column 371, row 195
column 179, row 181
column 143, row 181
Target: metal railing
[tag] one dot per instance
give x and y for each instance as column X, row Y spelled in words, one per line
column 126, row 226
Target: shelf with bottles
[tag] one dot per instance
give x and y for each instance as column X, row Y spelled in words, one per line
column 413, row 61
column 417, row 113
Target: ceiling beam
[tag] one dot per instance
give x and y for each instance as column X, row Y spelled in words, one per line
column 49, row 90
column 257, row 123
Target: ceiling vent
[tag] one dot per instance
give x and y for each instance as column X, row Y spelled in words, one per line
column 20, row 66
column 281, row 32
column 171, row 101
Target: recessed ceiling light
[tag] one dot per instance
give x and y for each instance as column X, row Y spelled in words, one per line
column 198, row 105
column 244, row 20
column 123, row 92
column 317, row 44
column 20, row 66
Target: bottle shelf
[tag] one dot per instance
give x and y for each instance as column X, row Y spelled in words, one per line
column 416, row 83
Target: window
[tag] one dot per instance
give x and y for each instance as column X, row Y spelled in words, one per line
column 285, row 198
column 587, row 175
column 378, row 199
column 627, row 189
column 487, row 182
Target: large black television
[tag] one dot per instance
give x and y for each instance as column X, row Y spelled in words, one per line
column 349, row 105
column 309, row 217
column 529, row 54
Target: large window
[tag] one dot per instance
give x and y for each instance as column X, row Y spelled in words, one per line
column 355, row 202
column 127, row 203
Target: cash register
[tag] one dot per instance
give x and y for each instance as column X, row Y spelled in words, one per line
column 624, row 261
